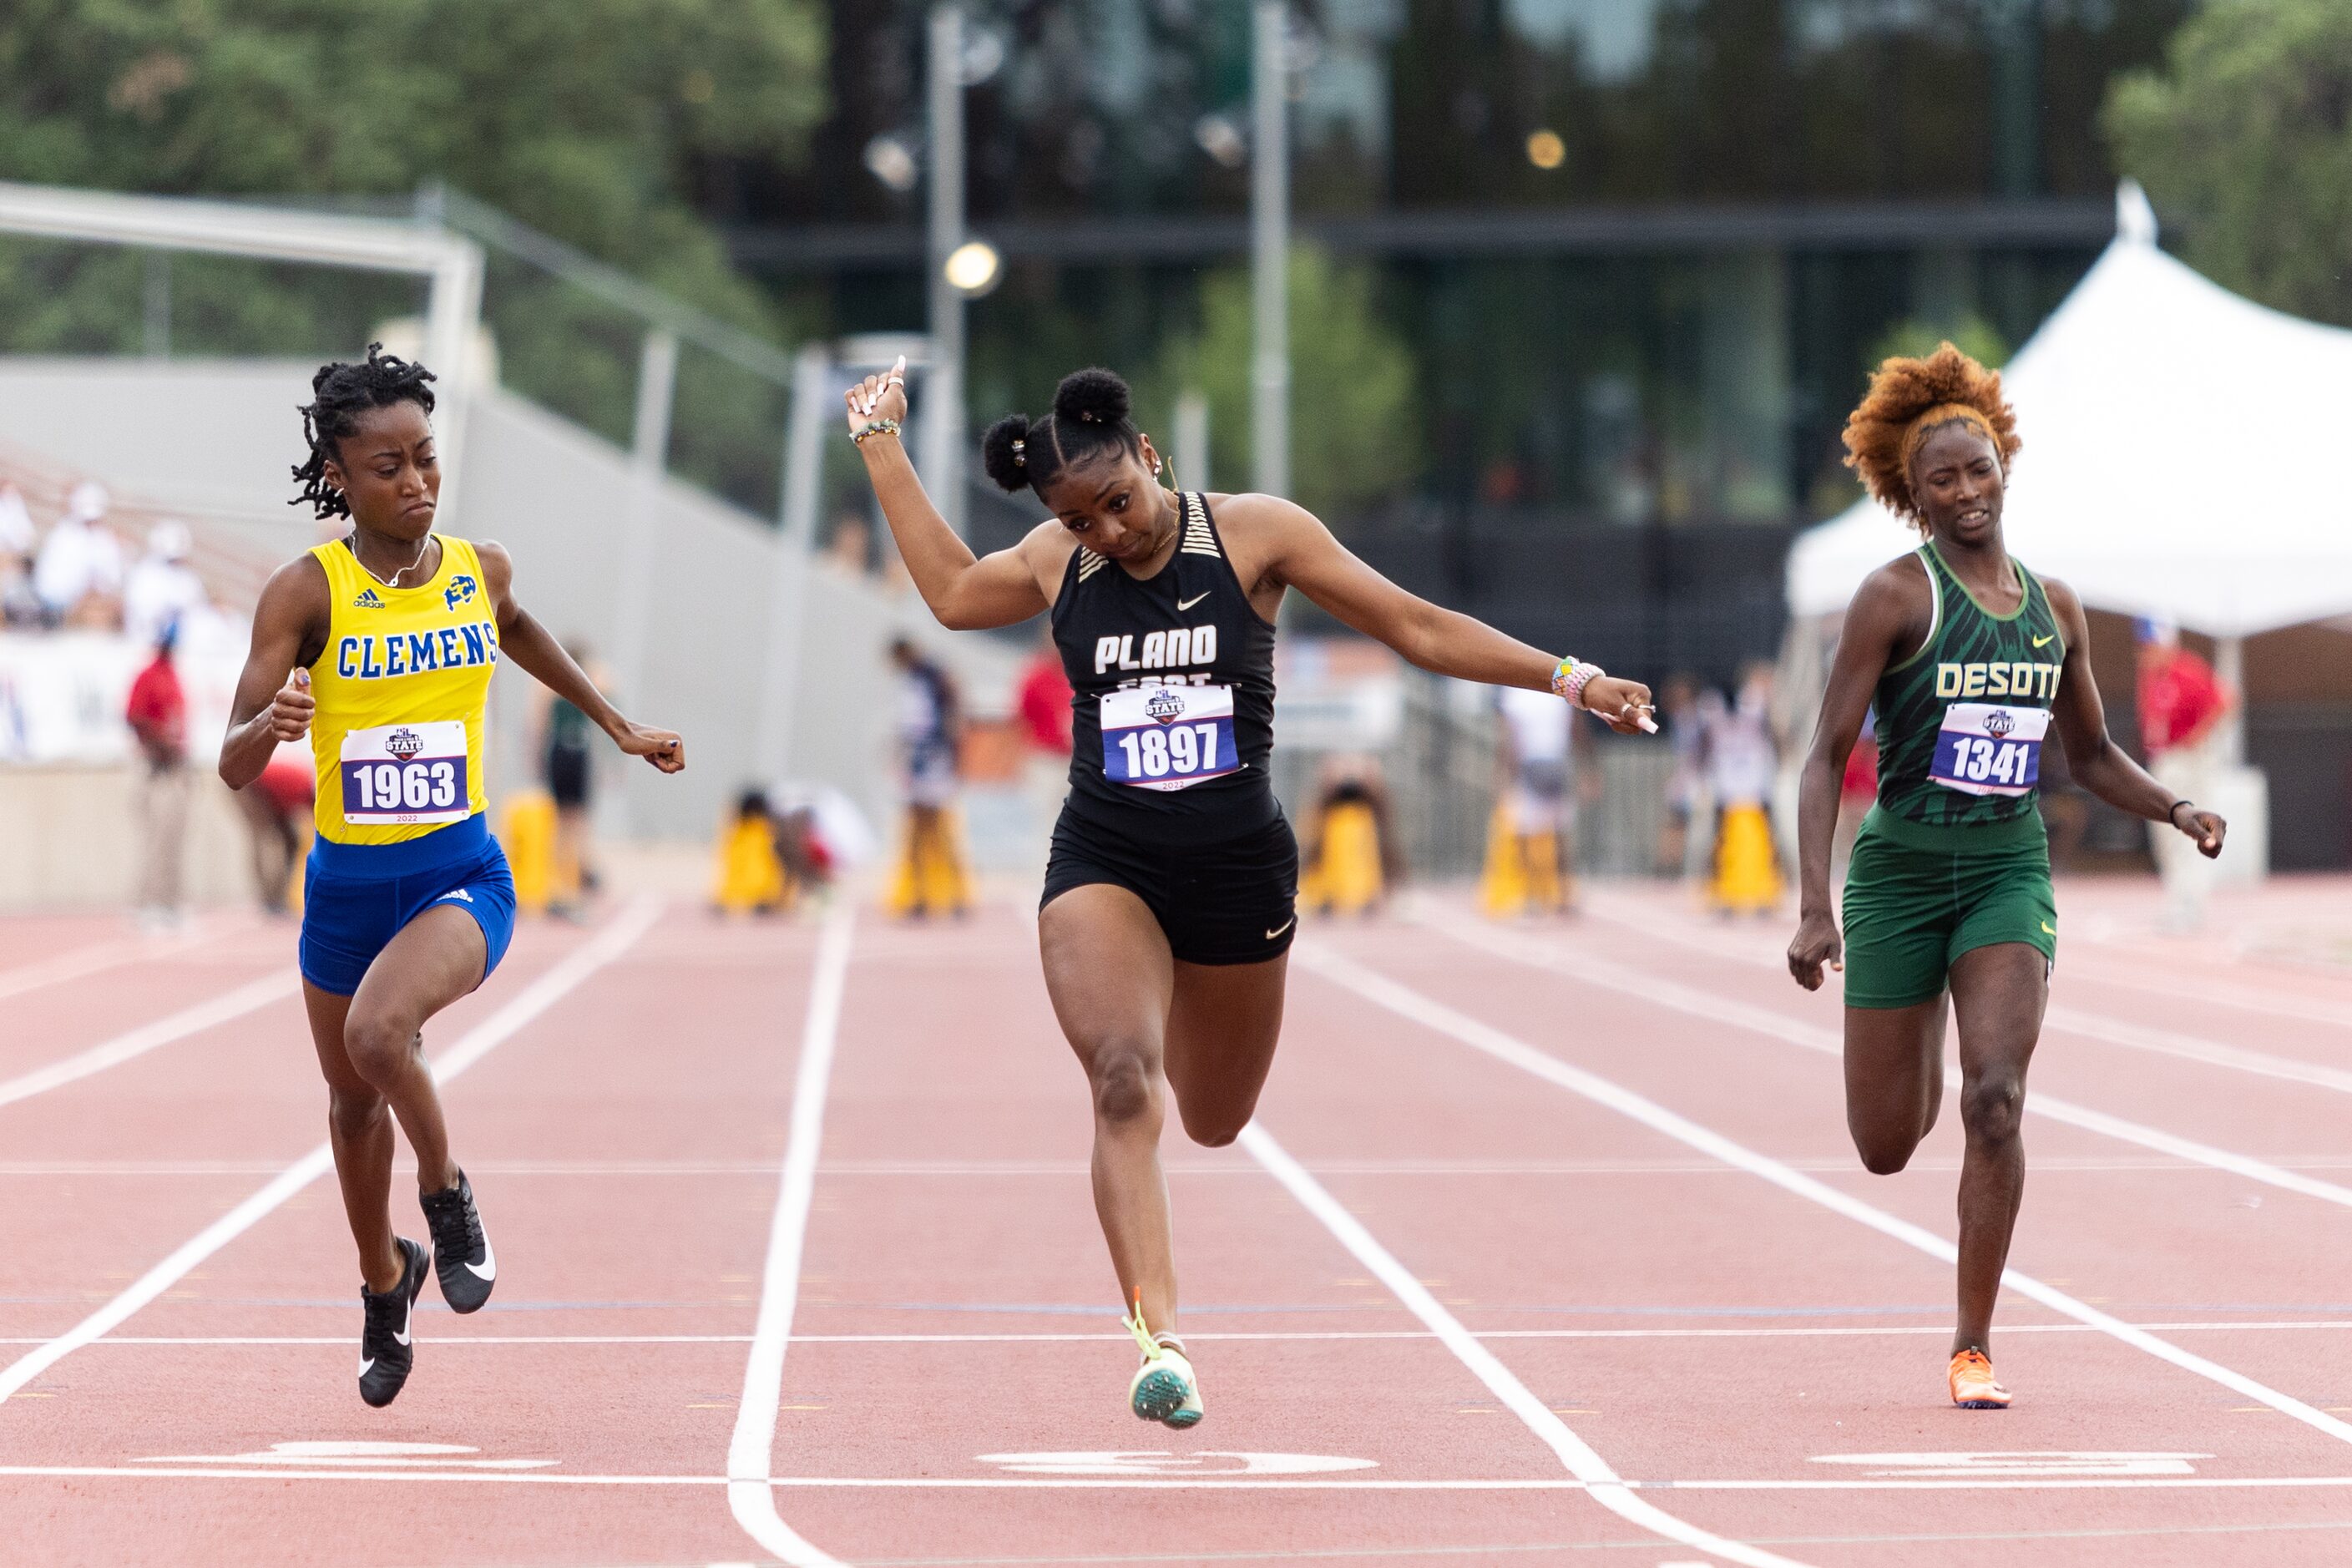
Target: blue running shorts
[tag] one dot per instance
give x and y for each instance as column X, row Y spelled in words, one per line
column 357, row 897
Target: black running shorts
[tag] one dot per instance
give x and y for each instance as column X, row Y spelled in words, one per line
column 1235, row 900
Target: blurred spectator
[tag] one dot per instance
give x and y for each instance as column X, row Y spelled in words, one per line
column 157, row 713
column 162, row 589
column 78, row 574
column 1686, row 731
column 16, row 534
column 569, row 762
column 276, row 808
column 2181, row 705
column 19, row 606
column 1531, row 847
column 931, row 877
column 851, row 545
column 1042, row 704
column 1742, row 763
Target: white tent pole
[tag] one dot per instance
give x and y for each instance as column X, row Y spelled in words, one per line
column 2230, row 664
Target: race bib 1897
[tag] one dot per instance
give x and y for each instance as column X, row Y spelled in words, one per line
column 406, row 774
column 1166, row 737
column 1985, row 748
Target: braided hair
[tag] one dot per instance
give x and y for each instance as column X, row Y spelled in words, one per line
column 1090, row 419
column 342, row 393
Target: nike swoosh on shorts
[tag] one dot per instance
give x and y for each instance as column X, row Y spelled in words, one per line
column 1283, row 927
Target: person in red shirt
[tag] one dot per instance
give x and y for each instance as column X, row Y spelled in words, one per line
column 2180, row 698
column 1044, row 704
column 157, row 713
column 2181, row 705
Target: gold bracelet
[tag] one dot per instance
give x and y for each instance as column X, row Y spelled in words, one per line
column 879, row 427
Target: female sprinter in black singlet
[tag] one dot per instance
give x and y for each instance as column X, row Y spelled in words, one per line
column 1168, row 909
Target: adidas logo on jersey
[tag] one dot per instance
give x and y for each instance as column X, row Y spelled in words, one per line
column 367, row 601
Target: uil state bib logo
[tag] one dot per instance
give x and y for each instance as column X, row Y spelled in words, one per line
column 460, row 591
column 404, row 744
column 1998, row 723
column 1164, row 707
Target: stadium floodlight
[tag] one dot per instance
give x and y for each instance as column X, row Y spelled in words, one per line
column 974, row 268
column 941, row 440
column 451, row 263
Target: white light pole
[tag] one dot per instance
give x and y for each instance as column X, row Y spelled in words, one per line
column 1270, row 249
column 942, row 413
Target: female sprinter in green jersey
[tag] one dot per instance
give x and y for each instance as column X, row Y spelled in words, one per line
column 1970, row 661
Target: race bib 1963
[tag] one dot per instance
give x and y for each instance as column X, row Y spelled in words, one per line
column 1166, row 737
column 1985, row 748
column 406, row 774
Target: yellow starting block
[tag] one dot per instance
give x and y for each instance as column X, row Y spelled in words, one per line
column 1523, row 874
column 1345, row 877
column 1747, row 876
column 751, row 878
column 527, row 833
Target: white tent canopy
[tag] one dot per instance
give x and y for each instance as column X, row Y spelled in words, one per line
column 2172, row 438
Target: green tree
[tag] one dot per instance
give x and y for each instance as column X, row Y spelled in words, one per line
column 1915, row 338
column 590, row 120
column 2247, row 136
column 1354, row 430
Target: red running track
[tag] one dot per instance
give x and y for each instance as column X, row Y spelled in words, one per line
column 1548, row 1247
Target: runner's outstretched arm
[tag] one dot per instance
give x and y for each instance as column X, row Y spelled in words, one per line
column 524, row 640
column 965, row 592
column 273, row 701
column 1880, row 620
column 2099, row 765
column 1303, row 554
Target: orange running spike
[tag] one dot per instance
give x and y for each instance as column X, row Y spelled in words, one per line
column 1974, row 1387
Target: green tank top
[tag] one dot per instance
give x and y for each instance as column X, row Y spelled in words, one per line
column 1960, row 722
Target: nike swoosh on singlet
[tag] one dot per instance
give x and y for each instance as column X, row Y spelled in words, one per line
column 1183, row 604
column 2044, row 642
column 1283, row 927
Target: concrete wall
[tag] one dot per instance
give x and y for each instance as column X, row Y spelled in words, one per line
column 216, row 439
column 68, row 838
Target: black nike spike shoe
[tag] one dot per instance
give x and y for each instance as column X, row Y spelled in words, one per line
column 385, row 1352
column 461, row 1253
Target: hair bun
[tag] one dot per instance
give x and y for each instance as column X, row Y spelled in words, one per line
column 1003, row 452
column 1091, row 397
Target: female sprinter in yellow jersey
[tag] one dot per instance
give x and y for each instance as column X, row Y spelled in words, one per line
column 380, row 647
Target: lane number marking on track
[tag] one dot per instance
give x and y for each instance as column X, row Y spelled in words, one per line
column 2022, row 1462
column 1155, row 1462
column 370, row 1455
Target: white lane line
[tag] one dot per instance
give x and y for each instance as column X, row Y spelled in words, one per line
column 1411, row 1004
column 1205, row 1483
column 138, row 1042
column 470, row 1047
column 1588, row 1467
column 1311, row 1335
column 2069, row 1020
column 2050, row 1164
column 1659, row 991
column 753, row 1447
column 2195, row 1048
column 100, row 957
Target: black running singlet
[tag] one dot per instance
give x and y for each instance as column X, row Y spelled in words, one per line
column 1172, row 692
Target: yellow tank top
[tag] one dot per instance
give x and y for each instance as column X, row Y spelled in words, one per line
column 401, row 690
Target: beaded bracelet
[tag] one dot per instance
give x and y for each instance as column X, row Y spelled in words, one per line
column 1568, row 681
column 879, row 427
